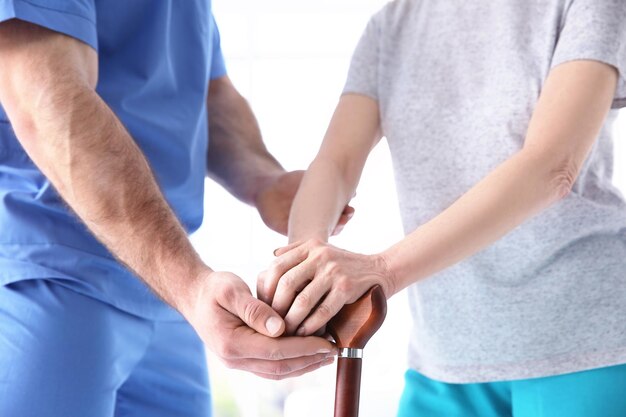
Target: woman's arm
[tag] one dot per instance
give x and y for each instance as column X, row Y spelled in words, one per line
column 333, row 176
column 330, row 181
column 567, row 119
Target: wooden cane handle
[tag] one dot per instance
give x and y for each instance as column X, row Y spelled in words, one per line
column 352, row 328
column 356, row 323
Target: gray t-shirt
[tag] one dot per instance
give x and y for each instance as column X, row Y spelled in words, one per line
column 457, row 83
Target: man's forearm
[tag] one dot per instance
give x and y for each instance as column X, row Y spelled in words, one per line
column 81, row 146
column 237, row 157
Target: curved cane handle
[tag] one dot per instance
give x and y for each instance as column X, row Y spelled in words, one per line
column 356, row 323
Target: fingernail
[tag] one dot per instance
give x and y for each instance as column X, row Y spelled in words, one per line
column 324, row 351
column 273, row 325
column 300, row 331
column 275, row 250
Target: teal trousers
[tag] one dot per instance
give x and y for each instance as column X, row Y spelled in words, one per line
column 595, row 393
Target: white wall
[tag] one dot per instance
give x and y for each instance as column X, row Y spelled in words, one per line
column 290, row 58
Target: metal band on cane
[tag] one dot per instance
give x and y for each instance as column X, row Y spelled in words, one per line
column 351, row 353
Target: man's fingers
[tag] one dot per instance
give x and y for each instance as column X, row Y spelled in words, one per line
column 303, row 304
column 282, row 367
column 258, row 315
column 346, row 215
column 251, row 345
column 289, row 284
column 261, row 293
column 327, row 309
column 338, row 229
column 306, row 370
column 348, row 212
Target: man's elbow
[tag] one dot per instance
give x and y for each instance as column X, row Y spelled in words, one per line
column 25, row 127
column 26, row 111
column 41, row 70
column 20, row 113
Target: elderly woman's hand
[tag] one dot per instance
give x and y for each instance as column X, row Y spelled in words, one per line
column 308, row 283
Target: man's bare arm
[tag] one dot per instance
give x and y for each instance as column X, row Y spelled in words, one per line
column 47, row 87
column 234, row 131
column 47, row 83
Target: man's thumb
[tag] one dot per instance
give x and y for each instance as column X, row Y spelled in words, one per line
column 259, row 316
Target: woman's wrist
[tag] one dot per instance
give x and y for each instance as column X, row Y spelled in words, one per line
column 399, row 266
column 390, row 282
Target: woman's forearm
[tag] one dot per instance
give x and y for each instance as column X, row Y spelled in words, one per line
column 566, row 122
column 320, row 200
column 519, row 188
column 332, row 178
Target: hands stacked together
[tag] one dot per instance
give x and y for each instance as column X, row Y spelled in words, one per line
column 282, row 333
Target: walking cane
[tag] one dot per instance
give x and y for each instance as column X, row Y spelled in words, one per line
column 352, row 328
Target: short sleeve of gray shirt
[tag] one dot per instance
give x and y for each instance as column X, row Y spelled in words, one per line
column 456, row 84
column 363, row 74
column 591, row 30
column 595, row 30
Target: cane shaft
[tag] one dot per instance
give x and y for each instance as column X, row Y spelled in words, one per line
column 351, row 328
column 348, row 387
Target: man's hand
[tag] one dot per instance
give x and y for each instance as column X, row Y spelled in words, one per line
column 274, row 202
column 243, row 331
column 308, row 283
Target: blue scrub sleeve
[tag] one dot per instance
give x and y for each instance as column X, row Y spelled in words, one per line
column 75, row 18
column 218, row 66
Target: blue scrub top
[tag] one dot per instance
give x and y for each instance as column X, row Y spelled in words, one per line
column 155, row 61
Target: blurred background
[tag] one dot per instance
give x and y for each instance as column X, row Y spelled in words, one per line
column 289, row 58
